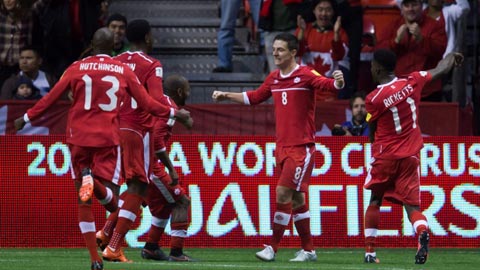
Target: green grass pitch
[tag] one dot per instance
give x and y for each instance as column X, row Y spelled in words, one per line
column 237, row 259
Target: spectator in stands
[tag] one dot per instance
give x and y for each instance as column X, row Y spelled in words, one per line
column 25, row 90
column 276, row 17
column 66, row 28
column 447, row 16
column 16, row 26
column 358, row 126
column 323, row 44
column 30, row 62
column 226, row 33
column 117, row 23
column 418, row 41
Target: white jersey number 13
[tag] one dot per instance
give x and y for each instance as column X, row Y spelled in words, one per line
column 110, row 93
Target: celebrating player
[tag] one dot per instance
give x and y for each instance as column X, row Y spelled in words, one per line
column 165, row 196
column 98, row 84
column 293, row 89
column 135, row 134
column 394, row 131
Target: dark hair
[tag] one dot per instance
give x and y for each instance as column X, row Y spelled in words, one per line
column 34, row 49
column 292, row 41
column 332, row 2
column 407, row 1
column 116, row 17
column 386, row 58
column 358, row 94
column 137, row 29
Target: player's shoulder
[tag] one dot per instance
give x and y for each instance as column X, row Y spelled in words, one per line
column 137, row 56
column 308, row 72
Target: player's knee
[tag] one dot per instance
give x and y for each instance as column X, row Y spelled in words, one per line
column 284, row 195
column 138, row 187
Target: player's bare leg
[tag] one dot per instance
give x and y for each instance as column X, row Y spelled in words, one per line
column 420, row 225
column 372, row 218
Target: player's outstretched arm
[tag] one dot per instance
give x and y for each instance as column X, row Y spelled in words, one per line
column 219, row 96
column 446, row 64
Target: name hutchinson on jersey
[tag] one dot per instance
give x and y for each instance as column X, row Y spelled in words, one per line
column 102, row 66
column 398, row 96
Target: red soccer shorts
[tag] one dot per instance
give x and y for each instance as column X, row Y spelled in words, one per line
column 136, row 154
column 295, row 165
column 398, row 180
column 105, row 162
column 160, row 193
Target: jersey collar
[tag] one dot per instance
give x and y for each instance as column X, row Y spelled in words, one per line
column 289, row 74
column 390, row 82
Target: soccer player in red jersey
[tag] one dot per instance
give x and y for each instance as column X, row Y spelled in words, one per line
column 396, row 142
column 165, row 196
column 98, row 84
column 293, row 90
column 135, row 134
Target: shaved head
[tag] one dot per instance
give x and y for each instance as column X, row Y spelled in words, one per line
column 178, row 88
column 102, row 41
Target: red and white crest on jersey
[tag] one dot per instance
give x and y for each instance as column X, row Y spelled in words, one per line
column 294, row 100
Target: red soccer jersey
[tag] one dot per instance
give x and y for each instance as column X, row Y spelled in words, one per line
column 98, row 84
column 150, row 72
column 395, row 108
column 294, row 99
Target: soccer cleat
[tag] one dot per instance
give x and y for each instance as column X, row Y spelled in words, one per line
column 114, row 256
column 371, row 259
column 267, row 254
column 102, row 240
column 86, row 190
column 156, row 255
column 96, row 265
column 181, row 258
column 304, row 256
column 422, row 251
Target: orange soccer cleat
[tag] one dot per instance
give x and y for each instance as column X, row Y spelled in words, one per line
column 86, row 190
column 114, row 256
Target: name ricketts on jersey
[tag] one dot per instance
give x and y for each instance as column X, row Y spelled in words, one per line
column 394, row 106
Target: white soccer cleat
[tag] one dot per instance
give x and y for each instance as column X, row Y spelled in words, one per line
column 305, row 256
column 267, row 254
